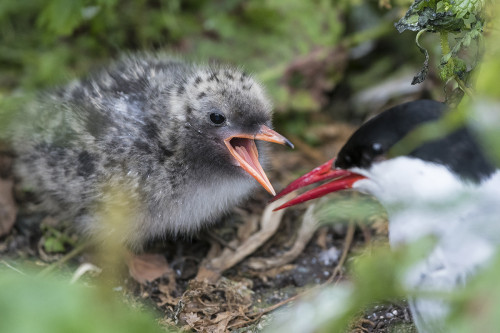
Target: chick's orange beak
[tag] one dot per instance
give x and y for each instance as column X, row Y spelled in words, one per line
column 242, row 147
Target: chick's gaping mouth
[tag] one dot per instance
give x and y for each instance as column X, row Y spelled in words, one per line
column 244, row 150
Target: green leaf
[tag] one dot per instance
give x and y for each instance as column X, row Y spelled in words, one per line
column 441, row 15
column 53, row 245
column 43, row 305
column 61, row 17
column 445, row 16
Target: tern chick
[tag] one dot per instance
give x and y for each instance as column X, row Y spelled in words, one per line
column 178, row 138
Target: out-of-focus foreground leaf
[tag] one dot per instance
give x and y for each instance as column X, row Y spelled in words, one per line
column 485, row 109
column 42, row 305
column 377, row 277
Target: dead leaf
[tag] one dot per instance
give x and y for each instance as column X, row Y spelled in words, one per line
column 8, row 208
column 191, row 318
column 222, row 316
column 222, row 320
column 148, row 267
column 205, row 273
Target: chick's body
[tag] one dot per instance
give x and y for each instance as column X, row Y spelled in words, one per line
column 142, row 126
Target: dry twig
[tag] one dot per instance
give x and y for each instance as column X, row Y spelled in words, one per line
column 306, row 231
column 347, row 245
column 211, row 269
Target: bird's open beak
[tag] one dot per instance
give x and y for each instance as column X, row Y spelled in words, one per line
column 342, row 179
column 244, row 150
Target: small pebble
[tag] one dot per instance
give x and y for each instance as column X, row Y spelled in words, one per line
column 303, row 269
column 328, row 257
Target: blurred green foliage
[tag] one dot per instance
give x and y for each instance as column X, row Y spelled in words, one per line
column 484, row 108
column 48, row 305
column 48, row 42
column 477, row 308
column 351, row 206
column 45, row 42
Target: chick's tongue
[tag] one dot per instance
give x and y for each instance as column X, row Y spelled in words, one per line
column 248, row 151
column 248, row 157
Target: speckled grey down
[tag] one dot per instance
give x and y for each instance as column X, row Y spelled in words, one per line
column 142, row 126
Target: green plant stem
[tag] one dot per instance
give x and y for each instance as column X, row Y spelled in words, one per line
column 445, row 46
column 417, row 38
column 73, row 253
column 464, row 87
column 445, row 49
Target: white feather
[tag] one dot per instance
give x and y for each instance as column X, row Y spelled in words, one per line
column 426, row 199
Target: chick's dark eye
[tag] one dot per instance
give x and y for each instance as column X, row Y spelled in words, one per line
column 217, row 118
